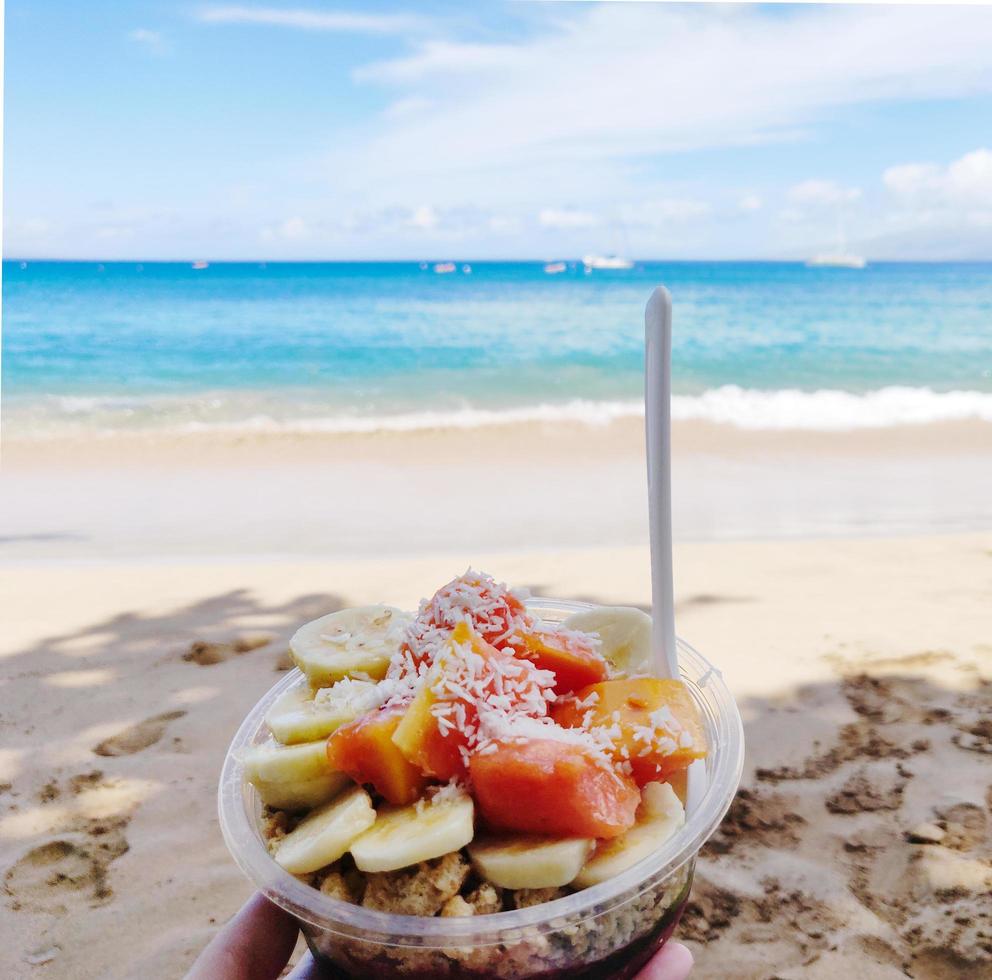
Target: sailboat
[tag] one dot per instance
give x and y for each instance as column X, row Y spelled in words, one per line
column 611, row 260
column 606, row 262
column 841, row 259
column 836, row 260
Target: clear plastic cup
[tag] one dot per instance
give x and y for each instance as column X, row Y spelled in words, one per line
column 609, row 930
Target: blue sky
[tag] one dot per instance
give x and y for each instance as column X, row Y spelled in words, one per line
column 174, row 129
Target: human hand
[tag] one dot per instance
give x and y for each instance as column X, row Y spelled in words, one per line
column 257, row 943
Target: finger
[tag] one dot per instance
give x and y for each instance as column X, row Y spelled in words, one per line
column 674, row 962
column 255, row 945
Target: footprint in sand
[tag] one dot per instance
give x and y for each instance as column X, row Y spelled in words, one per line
column 712, row 911
column 864, row 793
column 966, row 827
column 974, row 735
column 137, row 737
column 206, row 653
column 70, row 871
column 758, row 818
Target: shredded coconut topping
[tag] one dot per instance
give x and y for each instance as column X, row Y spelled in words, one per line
column 495, row 612
column 487, row 694
column 495, row 729
column 357, row 695
column 443, row 795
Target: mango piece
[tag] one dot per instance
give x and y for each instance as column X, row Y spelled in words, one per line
column 420, row 738
column 659, row 730
column 364, row 749
column 569, row 656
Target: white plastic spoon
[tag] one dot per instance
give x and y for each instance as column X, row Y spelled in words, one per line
column 658, row 430
column 657, row 426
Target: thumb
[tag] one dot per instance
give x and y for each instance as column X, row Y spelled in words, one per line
column 673, row 962
column 254, row 945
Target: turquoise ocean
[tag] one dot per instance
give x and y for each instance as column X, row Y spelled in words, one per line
column 351, row 347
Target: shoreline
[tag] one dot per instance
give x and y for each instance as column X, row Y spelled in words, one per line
column 265, row 415
column 622, row 436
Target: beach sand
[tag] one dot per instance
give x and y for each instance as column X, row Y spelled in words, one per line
column 860, row 845
column 150, row 586
column 501, row 488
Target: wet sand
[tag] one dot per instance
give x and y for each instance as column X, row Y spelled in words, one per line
column 503, row 488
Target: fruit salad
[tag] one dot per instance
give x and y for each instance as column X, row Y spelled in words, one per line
column 472, row 759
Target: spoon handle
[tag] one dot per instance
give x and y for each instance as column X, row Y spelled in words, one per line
column 657, row 425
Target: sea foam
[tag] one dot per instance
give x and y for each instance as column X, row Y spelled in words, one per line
column 826, row 410
column 831, row 410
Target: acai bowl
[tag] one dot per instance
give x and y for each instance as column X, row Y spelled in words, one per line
column 405, row 845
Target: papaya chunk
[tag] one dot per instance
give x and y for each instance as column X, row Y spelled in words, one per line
column 543, row 786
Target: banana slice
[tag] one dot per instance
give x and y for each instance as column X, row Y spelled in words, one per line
column 531, row 862
column 326, row 833
column 292, row 777
column 660, row 815
column 625, row 633
column 296, row 717
column 301, row 795
column 351, row 641
column 407, row 835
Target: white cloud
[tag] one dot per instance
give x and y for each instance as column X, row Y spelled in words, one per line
column 310, row 20
column 113, row 233
column 292, row 229
column 397, row 223
column 912, row 178
column 31, row 227
column 822, row 193
column 958, row 194
column 971, row 176
column 412, row 106
column 152, row 40
column 967, row 180
column 750, row 202
column 504, row 224
column 424, row 218
column 564, row 218
column 599, row 87
column 667, row 210
column 440, row 58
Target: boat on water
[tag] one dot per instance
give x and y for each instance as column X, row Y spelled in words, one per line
column 200, row 265
column 840, row 257
column 836, row 260
column 443, row 267
column 606, row 262
column 553, row 268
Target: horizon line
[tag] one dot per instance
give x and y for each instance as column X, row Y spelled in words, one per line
column 470, row 260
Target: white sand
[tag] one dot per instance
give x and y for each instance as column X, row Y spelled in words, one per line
column 536, row 487
column 114, row 867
